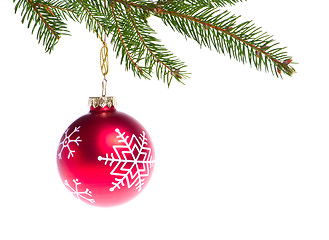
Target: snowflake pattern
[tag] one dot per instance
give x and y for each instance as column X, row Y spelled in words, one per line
column 79, row 195
column 132, row 159
column 66, row 142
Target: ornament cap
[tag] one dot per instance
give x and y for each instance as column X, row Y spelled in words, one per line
column 102, row 102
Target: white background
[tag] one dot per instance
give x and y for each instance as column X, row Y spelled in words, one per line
column 240, row 153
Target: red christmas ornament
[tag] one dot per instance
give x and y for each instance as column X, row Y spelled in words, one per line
column 105, row 158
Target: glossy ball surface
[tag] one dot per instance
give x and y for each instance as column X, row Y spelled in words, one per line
column 105, row 158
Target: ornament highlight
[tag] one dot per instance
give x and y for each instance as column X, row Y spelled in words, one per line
column 105, row 158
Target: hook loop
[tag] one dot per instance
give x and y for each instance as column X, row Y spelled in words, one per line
column 104, row 62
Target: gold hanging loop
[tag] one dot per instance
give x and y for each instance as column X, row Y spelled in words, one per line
column 104, row 59
column 104, row 62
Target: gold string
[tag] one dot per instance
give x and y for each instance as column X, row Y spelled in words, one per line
column 104, row 59
column 104, row 63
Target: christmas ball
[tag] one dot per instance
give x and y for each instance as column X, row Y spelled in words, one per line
column 105, row 158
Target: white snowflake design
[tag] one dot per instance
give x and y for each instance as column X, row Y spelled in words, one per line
column 80, row 195
column 133, row 164
column 66, row 142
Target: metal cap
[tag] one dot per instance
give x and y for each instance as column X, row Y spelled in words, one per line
column 102, row 102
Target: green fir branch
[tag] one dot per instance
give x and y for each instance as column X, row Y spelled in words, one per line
column 167, row 66
column 219, row 29
column 50, row 23
column 134, row 40
column 211, row 3
column 64, row 10
column 122, row 42
column 97, row 17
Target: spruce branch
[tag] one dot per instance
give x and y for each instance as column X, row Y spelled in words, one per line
column 97, row 18
column 39, row 14
column 121, row 40
column 167, row 65
column 59, row 8
column 204, row 21
column 218, row 29
column 211, row 3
